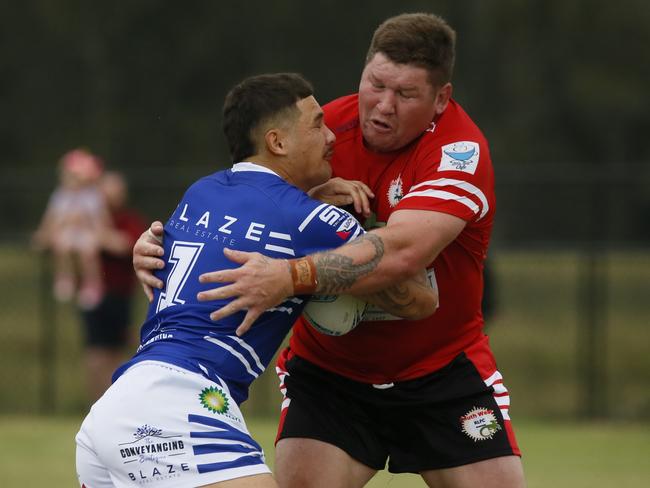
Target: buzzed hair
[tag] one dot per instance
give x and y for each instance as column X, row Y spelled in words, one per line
column 418, row 39
column 255, row 101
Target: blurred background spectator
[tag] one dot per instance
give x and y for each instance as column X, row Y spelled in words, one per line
column 107, row 324
column 72, row 227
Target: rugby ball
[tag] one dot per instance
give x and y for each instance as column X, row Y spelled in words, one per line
column 334, row 315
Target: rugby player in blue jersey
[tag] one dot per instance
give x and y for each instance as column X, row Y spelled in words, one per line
column 172, row 417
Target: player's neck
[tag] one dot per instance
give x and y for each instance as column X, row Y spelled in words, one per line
column 277, row 166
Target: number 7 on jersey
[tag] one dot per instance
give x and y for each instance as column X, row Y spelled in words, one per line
column 182, row 257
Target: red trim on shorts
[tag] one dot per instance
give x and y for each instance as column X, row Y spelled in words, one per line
column 481, row 356
column 281, row 371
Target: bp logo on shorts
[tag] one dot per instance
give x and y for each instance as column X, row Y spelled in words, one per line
column 214, row 400
column 480, row 424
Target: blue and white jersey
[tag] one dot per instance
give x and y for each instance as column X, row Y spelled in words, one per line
column 247, row 208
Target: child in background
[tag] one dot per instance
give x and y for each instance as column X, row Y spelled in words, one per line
column 75, row 217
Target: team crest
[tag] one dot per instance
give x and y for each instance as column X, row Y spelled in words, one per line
column 214, row 400
column 460, row 156
column 395, row 191
column 480, row 424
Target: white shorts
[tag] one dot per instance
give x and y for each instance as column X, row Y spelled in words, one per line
column 161, row 426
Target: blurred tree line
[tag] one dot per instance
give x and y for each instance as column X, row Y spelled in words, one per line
column 560, row 88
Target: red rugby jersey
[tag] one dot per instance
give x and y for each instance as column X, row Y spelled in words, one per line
column 447, row 169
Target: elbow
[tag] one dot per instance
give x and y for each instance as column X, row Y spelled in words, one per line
column 423, row 308
column 414, row 262
column 406, row 265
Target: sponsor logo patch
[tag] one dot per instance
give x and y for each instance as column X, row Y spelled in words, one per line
column 153, row 456
column 460, row 156
column 480, row 424
column 214, row 400
column 150, row 444
column 346, row 227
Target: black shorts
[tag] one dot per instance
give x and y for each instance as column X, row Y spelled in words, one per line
column 445, row 419
column 107, row 325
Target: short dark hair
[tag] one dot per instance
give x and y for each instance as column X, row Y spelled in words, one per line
column 255, row 101
column 419, row 39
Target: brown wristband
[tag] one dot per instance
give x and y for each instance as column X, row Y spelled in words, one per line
column 303, row 275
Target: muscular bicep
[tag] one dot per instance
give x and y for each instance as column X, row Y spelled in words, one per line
column 419, row 235
column 383, row 257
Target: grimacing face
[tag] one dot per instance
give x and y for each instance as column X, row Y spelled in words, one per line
column 311, row 144
column 397, row 103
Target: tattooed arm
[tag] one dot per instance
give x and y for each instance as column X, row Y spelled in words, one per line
column 412, row 299
column 375, row 261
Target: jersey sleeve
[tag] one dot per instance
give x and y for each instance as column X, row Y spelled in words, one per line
column 318, row 226
column 455, row 178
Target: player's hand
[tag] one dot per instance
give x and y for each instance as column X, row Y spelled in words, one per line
column 146, row 253
column 259, row 284
column 340, row 192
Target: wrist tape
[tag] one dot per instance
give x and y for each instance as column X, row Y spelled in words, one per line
column 303, row 275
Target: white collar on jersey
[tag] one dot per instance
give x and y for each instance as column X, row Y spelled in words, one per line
column 247, row 166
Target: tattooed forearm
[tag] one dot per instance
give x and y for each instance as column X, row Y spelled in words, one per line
column 399, row 298
column 337, row 272
column 394, row 299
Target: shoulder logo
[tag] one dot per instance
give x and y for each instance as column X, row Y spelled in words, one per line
column 395, row 191
column 480, row 424
column 346, row 227
column 460, row 156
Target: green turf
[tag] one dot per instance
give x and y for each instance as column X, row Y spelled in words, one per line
column 39, row 451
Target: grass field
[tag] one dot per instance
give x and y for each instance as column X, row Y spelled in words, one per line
column 39, row 451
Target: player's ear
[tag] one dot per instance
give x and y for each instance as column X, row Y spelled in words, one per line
column 443, row 95
column 276, row 143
